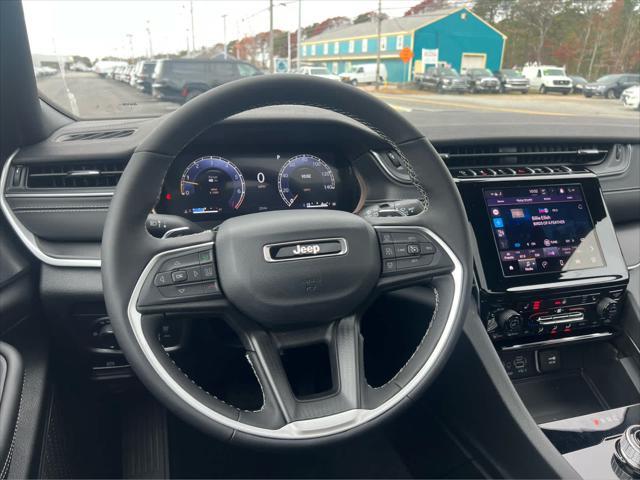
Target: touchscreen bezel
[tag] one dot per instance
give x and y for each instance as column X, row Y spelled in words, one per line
column 488, row 266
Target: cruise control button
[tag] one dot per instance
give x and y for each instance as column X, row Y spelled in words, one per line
column 179, row 276
column 177, row 291
column 208, row 271
column 180, row 262
column 401, row 250
column 388, row 251
column 407, row 237
column 427, row 248
column 194, row 274
column 162, row 279
column 388, row 266
column 413, row 249
column 414, row 262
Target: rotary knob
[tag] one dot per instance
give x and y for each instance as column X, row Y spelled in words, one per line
column 607, row 308
column 510, row 321
column 627, row 451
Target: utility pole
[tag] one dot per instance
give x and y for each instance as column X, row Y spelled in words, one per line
column 379, row 38
column 224, row 34
column 130, row 37
column 149, row 37
column 193, row 33
column 271, row 63
column 288, row 52
column 299, row 37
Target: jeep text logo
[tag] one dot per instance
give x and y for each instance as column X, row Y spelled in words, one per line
column 306, row 249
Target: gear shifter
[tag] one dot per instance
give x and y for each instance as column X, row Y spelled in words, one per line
column 626, row 456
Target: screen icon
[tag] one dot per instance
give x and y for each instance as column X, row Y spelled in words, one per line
column 498, row 222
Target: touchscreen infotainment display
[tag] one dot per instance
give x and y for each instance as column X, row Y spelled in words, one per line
column 541, row 229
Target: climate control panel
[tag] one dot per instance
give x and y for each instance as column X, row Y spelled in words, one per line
column 535, row 316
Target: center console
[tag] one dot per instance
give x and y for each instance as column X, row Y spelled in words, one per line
column 548, row 264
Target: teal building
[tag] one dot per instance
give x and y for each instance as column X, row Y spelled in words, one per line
column 455, row 37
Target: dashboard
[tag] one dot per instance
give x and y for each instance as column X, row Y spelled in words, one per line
column 206, row 187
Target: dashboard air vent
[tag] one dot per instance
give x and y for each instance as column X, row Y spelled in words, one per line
column 461, row 156
column 75, row 174
column 99, row 135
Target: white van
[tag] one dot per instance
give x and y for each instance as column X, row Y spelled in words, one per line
column 364, row 73
column 548, row 78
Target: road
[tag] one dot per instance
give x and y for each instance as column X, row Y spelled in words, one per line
column 88, row 96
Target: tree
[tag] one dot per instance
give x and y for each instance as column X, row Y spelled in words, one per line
column 369, row 17
column 425, row 5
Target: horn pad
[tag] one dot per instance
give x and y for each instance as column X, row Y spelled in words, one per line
column 288, row 268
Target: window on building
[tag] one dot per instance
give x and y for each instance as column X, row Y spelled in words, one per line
column 326, row 49
column 383, row 44
column 334, row 68
column 336, row 47
column 304, row 50
column 399, row 42
column 352, row 46
column 313, row 49
column 365, row 45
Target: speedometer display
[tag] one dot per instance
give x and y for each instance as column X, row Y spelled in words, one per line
column 306, row 181
column 213, row 184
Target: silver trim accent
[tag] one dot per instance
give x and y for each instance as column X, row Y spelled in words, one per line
column 568, row 283
column 83, row 173
column 561, row 319
column 266, row 250
column 557, row 341
column 304, row 429
column 169, row 233
column 29, row 238
column 549, row 176
column 634, row 266
column 59, row 194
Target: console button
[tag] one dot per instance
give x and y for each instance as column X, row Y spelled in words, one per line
column 388, row 251
column 414, row 262
column 548, row 361
column 179, row 276
column 162, row 279
column 181, row 261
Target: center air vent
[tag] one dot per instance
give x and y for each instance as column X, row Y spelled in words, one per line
column 75, row 174
column 523, row 154
column 99, row 135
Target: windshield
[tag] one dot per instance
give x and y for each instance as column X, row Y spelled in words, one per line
column 607, row 79
column 144, row 58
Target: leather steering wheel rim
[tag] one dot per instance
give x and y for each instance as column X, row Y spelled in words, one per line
column 128, row 251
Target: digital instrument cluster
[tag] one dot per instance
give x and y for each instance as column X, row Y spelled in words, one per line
column 213, row 188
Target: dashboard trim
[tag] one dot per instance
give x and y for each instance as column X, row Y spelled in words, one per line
column 27, row 237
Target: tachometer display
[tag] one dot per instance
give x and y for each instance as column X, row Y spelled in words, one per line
column 213, row 185
column 306, row 181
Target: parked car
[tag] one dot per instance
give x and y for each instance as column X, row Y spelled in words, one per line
column 127, row 73
column 548, row 78
column 105, row 68
column 611, row 86
column 183, row 79
column 318, row 72
column 441, row 79
column 481, row 80
column 631, row 97
column 141, row 78
column 578, row 83
column 364, row 73
column 117, row 72
column 512, row 80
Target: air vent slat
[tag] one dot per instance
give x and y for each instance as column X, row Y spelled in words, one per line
column 523, row 155
column 75, row 175
column 98, row 135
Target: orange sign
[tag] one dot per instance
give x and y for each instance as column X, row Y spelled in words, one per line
column 406, row 55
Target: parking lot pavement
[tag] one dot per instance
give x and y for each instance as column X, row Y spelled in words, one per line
column 86, row 95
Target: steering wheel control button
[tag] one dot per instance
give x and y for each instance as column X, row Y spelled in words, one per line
column 401, row 250
column 413, row 249
column 181, row 261
column 187, row 290
column 389, row 266
column 162, row 279
column 210, row 288
column 208, row 271
column 388, row 251
column 427, row 248
column 414, row 262
column 205, row 256
column 179, row 276
column 385, row 237
column 194, row 274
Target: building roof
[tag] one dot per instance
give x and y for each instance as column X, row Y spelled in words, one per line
column 388, row 26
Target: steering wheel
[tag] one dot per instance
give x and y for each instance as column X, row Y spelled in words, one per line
column 286, row 278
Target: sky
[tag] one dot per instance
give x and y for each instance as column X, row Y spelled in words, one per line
column 96, row 28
